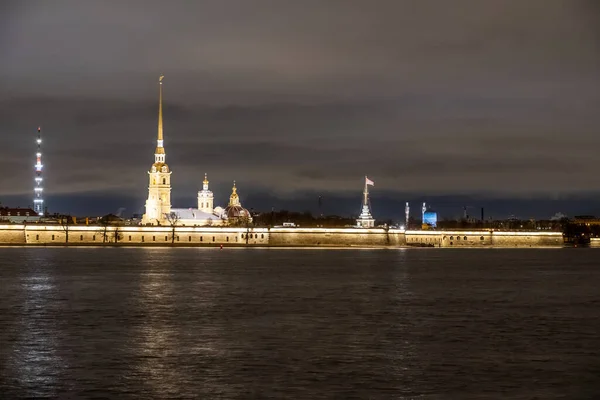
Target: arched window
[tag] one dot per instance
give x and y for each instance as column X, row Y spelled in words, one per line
column 164, row 181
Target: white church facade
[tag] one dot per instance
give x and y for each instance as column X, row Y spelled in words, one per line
column 158, row 204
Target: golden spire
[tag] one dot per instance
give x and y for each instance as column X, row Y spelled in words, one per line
column 159, row 143
column 234, row 199
column 205, row 179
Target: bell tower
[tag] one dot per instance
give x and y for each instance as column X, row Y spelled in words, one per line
column 205, row 198
column 158, row 204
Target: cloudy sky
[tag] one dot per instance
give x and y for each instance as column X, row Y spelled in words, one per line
column 454, row 102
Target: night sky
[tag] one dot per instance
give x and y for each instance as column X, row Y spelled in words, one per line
column 460, row 103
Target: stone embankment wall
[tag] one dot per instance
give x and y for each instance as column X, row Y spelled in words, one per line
column 148, row 236
column 48, row 235
column 38, row 234
column 595, row 242
column 483, row 239
column 335, row 237
column 12, row 234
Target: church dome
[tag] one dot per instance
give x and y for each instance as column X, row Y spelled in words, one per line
column 235, row 210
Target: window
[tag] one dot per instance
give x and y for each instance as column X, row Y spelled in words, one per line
column 80, row 237
column 228, row 238
column 164, row 181
column 465, row 238
column 166, row 238
column 94, row 237
column 189, row 238
column 242, row 235
column 142, row 238
column 213, row 238
column 262, row 235
column 130, row 238
column 178, row 238
column 200, row 238
column 236, row 238
column 37, row 237
column 451, row 237
column 154, row 238
column 481, row 238
column 52, row 237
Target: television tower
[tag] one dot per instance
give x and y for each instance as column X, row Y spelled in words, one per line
column 38, row 201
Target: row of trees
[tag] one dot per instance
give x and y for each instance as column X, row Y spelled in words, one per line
column 112, row 235
column 305, row 219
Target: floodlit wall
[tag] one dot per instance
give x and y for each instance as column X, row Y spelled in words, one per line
column 12, row 234
column 47, row 235
column 527, row 239
column 449, row 238
column 483, row 238
column 595, row 242
column 335, row 237
column 133, row 235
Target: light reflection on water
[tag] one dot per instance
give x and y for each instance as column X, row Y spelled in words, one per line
column 35, row 357
column 265, row 323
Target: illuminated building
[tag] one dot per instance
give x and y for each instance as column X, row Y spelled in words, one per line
column 38, row 200
column 235, row 211
column 365, row 219
column 429, row 219
column 158, row 204
column 18, row 215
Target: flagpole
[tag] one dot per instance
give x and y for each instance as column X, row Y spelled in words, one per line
column 366, row 192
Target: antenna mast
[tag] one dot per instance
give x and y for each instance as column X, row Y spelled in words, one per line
column 38, row 201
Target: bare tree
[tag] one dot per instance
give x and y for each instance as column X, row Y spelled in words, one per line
column 116, row 234
column 173, row 220
column 104, row 223
column 65, row 222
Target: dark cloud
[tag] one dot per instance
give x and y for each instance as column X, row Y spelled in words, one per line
column 288, row 98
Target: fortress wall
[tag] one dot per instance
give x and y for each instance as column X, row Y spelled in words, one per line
column 527, row 239
column 483, row 238
column 449, row 238
column 158, row 236
column 595, row 242
column 335, row 237
column 12, row 234
column 38, row 234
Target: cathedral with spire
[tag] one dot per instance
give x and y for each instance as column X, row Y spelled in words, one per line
column 158, row 204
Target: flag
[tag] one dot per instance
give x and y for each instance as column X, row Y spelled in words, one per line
column 369, row 182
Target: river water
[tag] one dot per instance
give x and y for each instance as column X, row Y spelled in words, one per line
column 156, row 323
